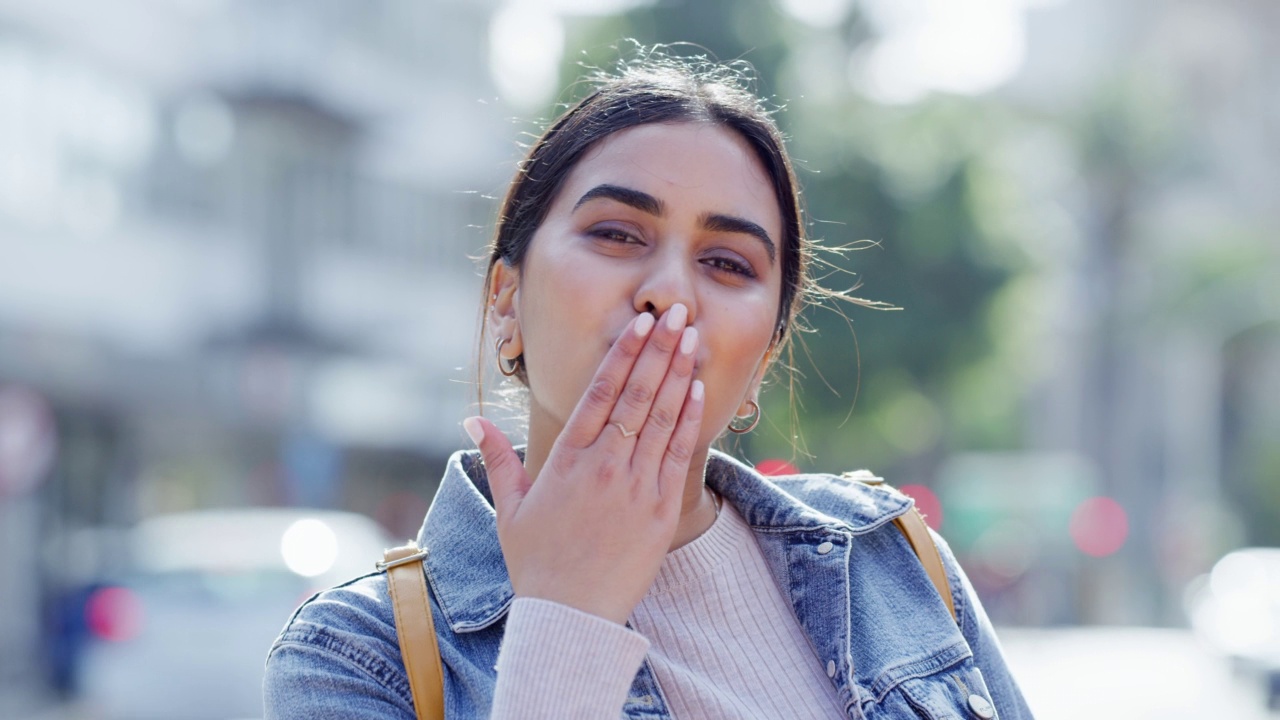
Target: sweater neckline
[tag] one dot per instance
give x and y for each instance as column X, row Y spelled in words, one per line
column 702, row 556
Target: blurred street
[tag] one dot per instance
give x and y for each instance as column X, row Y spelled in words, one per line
column 237, row 274
column 1128, row 674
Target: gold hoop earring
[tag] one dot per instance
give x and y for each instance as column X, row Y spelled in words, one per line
column 755, row 419
column 502, row 363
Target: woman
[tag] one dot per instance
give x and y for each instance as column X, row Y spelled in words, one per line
column 648, row 263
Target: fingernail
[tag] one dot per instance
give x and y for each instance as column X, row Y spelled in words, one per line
column 474, row 429
column 689, row 340
column 696, row 391
column 676, row 316
column 644, row 324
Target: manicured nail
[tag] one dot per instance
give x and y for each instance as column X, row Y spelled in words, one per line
column 696, row 391
column 474, row 429
column 689, row 340
column 676, row 316
column 644, row 324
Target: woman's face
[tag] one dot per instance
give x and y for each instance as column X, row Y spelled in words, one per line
column 652, row 216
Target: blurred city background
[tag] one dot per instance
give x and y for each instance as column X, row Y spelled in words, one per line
column 237, row 243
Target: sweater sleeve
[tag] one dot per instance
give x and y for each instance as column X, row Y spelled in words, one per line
column 338, row 657
column 981, row 636
column 558, row 662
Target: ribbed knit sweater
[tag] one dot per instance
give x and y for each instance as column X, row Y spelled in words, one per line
column 722, row 640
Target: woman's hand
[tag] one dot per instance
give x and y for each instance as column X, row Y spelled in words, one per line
column 591, row 533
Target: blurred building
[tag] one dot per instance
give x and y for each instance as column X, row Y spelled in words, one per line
column 1156, row 343
column 235, row 243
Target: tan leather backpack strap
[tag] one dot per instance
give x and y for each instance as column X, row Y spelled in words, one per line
column 415, row 629
column 912, row 525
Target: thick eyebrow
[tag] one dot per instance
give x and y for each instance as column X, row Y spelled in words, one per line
column 641, row 201
column 644, row 202
column 731, row 223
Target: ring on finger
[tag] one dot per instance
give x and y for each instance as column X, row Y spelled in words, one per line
column 623, row 429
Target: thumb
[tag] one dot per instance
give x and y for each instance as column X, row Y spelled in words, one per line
column 508, row 480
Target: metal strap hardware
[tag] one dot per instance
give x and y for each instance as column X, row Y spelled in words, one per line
column 386, row 565
column 415, row 629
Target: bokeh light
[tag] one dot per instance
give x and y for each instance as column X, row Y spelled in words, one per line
column 310, row 547
column 924, row 46
column 114, row 614
column 525, row 48
column 927, row 503
column 1099, row 526
column 775, row 466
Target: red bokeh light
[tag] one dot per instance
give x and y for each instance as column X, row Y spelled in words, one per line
column 114, row 614
column 774, row 466
column 927, row 502
column 1099, row 526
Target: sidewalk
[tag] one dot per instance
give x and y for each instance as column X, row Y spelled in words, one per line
column 1130, row 673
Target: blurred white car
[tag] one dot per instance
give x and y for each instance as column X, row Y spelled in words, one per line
column 1236, row 609
column 185, row 632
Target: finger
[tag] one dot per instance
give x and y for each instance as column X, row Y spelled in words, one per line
column 597, row 402
column 508, row 481
column 641, row 389
column 680, row 449
column 667, row 406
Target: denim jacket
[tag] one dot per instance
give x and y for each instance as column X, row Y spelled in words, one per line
column 861, row 595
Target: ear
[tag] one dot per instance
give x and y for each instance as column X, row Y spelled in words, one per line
column 504, row 320
column 753, row 392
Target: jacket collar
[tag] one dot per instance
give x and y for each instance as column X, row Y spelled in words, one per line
column 468, row 575
column 803, row 502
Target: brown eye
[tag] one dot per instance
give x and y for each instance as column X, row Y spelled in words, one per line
column 614, row 235
column 730, row 265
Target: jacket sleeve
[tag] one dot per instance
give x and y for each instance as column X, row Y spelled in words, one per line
column 981, row 636
column 338, row 657
column 311, row 680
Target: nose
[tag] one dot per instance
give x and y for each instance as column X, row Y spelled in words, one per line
column 666, row 282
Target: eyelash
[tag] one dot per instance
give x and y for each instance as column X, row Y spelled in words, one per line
column 722, row 264
column 730, row 265
column 615, row 235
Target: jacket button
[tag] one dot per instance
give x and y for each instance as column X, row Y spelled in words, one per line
column 825, row 548
column 981, row 707
column 831, row 668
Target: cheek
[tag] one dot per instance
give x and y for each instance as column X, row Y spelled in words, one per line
column 737, row 349
column 557, row 365
column 562, row 328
